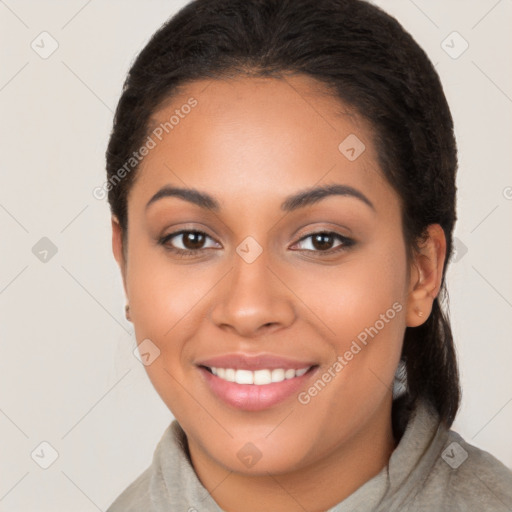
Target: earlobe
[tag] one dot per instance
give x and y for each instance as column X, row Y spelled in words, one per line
column 426, row 276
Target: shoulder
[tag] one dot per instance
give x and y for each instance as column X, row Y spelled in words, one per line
column 476, row 477
column 434, row 468
column 465, row 478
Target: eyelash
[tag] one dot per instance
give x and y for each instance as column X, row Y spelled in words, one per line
column 183, row 253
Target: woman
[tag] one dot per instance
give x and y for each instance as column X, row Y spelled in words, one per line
column 281, row 176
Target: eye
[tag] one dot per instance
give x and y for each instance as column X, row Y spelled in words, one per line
column 322, row 242
column 192, row 242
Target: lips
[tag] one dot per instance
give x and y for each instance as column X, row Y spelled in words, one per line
column 249, row 395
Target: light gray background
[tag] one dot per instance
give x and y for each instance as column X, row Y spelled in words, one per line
column 67, row 372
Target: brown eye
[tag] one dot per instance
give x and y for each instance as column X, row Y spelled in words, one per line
column 193, row 240
column 186, row 241
column 323, row 242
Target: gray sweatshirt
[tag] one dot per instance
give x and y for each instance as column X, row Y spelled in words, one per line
column 431, row 469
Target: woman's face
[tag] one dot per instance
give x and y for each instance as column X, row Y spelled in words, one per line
column 258, row 282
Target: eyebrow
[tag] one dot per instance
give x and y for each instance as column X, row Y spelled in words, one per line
column 301, row 199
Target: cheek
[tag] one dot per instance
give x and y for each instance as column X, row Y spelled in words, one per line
column 165, row 299
column 351, row 296
column 374, row 342
column 163, row 296
column 362, row 304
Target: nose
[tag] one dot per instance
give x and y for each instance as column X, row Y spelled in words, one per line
column 253, row 299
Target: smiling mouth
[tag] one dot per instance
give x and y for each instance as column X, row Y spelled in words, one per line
column 258, row 377
column 255, row 390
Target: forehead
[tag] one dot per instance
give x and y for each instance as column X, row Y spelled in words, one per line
column 258, row 137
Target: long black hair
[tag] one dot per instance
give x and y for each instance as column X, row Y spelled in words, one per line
column 371, row 64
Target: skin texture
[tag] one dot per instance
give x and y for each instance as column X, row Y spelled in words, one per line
column 251, row 142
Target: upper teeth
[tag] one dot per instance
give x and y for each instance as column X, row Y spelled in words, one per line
column 259, row 377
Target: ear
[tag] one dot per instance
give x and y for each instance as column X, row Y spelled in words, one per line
column 117, row 249
column 426, row 276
